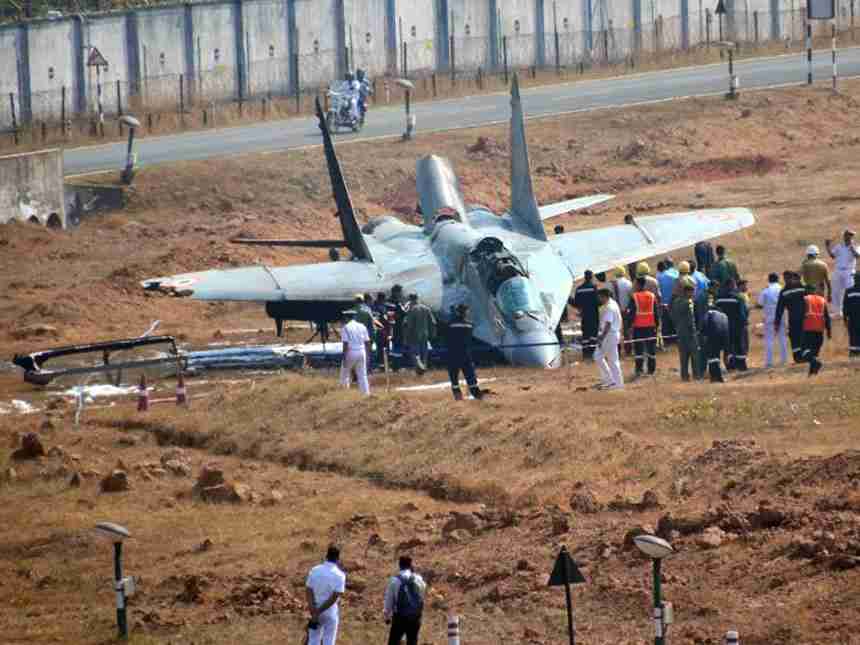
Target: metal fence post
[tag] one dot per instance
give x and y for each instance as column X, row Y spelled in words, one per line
column 118, row 98
column 453, row 61
column 14, row 118
column 63, row 110
column 297, row 85
column 833, row 47
column 505, row 57
column 755, row 26
column 708, row 20
column 809, row 53
column 182, row 99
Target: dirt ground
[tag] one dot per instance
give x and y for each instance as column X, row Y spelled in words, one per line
column 755, row 483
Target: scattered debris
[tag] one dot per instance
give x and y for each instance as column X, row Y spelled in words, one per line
column 115, row 482
column 31, row 448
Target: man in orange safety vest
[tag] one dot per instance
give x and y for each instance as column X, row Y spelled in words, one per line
column 643, row 319
column 816, row 321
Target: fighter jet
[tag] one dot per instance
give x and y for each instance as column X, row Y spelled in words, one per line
column 515, row 279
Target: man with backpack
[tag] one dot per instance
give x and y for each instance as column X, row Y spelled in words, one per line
column 404, row 603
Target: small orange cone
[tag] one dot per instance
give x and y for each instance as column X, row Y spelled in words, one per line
column 181, row 395
column 142, row 395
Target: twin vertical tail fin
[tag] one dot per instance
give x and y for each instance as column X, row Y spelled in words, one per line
column 352, row 236
column 525, row 215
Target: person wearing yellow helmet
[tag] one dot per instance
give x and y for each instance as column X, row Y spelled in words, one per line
column 685, row 279
column 651, row 284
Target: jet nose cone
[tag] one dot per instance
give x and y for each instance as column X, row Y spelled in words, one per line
column 533, row 349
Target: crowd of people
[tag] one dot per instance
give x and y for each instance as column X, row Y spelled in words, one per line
column 402, row 328
column 703, row 306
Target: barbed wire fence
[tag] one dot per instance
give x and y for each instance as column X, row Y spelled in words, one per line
column 278, row 86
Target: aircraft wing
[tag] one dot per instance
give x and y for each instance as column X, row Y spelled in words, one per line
column 329, row 281
column 560, row 208
column 642, row 237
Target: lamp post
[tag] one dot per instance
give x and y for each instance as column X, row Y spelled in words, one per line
column 657, row 549
column 122, row 586
column 127, row 175
column 408, row 86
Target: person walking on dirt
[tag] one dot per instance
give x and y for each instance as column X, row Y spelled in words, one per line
column 846, row 255
column 723, row 269
column 324, row 586
column 356, row 348
column 734, row 306
column 667, row 276
column 704, row 253
column 460, row 353
column 585, row 301
column 622, row 291
column 643, row 319
column 701, row 280
column 768, row 300
column 396, row 301
column 851, row 316
column 791, row 299
column 418, row 328
column 814, row 272
column 404, row 603
column 714, row 335
column 608, row 338
column 684, row 317
column 815, row 322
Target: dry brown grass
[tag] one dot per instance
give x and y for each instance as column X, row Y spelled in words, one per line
column 334, row 455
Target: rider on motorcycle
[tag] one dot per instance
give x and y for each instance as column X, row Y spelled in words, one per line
column 365, row 90
column 352, row 89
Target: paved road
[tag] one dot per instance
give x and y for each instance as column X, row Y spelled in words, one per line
column 468, row 112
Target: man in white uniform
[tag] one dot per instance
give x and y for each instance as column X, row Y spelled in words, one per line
column 324, row 586
column 607, row 342
column 356, row 347
column 846, row 255
column 767, row 300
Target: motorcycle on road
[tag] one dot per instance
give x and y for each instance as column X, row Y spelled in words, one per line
column 340, row 111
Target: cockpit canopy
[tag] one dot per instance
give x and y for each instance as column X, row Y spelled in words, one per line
column 517, row 297
column 495, row 263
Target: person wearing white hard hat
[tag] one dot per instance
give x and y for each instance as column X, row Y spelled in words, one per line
column 845, row 255
column 814, row 272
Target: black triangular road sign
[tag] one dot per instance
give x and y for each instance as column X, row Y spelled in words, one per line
column 565, row 571
column 721, row 7
column 96, row 59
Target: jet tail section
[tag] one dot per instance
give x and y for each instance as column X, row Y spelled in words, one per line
column 351, row 231
column 525, row 216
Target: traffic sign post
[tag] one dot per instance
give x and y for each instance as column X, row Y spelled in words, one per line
column 565, row 572
column 720, row 11
column 95, row 59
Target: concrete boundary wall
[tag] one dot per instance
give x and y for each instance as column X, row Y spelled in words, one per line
column 167, row 56
column 31, row 188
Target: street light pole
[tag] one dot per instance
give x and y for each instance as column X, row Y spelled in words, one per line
column 658, row 603
column 122, row 587
column 121, row 620
column 657, row 549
